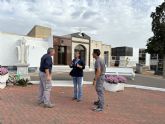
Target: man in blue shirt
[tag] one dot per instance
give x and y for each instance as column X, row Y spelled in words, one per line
column 45, row 75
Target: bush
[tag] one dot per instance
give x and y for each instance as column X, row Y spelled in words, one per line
column 15, row 79
column 22, row 82
column 12, row 80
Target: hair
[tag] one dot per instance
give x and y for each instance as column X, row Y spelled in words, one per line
column 50, row 49
column 79, row 53
column 97, row 52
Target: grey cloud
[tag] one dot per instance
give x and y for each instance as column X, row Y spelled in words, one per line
column 114, row 22
column 89, row 14
column 90, row 2
column 76, row 14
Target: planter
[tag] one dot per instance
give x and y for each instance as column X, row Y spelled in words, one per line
column 3, row 79
column 114, row 87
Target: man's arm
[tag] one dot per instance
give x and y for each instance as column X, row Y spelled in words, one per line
column 72, row 64
column 48, row 75
column 48, row 62
column 98, row 73
column 82, row 65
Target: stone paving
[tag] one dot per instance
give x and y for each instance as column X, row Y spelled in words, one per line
column 133, row 106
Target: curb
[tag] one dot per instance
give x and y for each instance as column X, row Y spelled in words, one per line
column 68, row 83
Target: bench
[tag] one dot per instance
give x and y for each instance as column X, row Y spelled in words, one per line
column 121, row 71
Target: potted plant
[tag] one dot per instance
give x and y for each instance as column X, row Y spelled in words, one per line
column 4, row 75
column 22, row 82
column 15, row 79
column 114, row 83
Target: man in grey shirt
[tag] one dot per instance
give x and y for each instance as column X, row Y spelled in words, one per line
column 99, row 80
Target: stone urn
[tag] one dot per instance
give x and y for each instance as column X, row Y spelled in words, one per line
column 3, row 79
column 114, row 87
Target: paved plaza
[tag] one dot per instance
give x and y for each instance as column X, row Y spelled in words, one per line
column 58, row 58
column 133, row 106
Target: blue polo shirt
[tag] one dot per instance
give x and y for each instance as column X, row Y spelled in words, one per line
column 46, row 63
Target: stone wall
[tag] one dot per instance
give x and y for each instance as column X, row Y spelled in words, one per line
column 40, row 32
column 103, row 48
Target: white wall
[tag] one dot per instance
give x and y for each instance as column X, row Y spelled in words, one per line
column 8, row 51
column 135, row 58
column 132, row 59
column 148, row 59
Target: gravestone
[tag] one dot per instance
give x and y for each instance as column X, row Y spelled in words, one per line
column 22, row 55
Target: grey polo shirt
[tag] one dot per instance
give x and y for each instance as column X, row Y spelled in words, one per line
column 99, row 64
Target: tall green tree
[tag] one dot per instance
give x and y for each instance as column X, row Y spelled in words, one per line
column 156, row 44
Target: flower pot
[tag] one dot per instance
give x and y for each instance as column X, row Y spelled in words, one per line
column 3, row 79
column 114, row 87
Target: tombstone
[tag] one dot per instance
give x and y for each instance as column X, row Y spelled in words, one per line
column 22, row 56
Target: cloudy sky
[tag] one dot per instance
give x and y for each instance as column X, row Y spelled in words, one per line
column 116, row 22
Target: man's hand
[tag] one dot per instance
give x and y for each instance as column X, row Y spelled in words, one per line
column 48, row 75
column 48, row 78
column 94, row 82
column 79, row 66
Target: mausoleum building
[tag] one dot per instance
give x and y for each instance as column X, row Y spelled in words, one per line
column 40, row 38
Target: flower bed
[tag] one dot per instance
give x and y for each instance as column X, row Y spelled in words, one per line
column 3, row 71
column 114, row 83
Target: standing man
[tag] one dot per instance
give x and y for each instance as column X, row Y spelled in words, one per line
column 99, row 80
column 45, row 75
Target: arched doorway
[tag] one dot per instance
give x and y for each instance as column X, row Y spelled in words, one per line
column 82, row 50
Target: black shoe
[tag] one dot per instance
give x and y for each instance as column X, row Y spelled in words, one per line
column 78, row 100
column 74, row 98
column 96, row 103
column 98, row 109
column 40, row 102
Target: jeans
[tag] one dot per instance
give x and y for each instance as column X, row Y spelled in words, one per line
column 100, row 91
column 77, row 81
column 44, row 89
